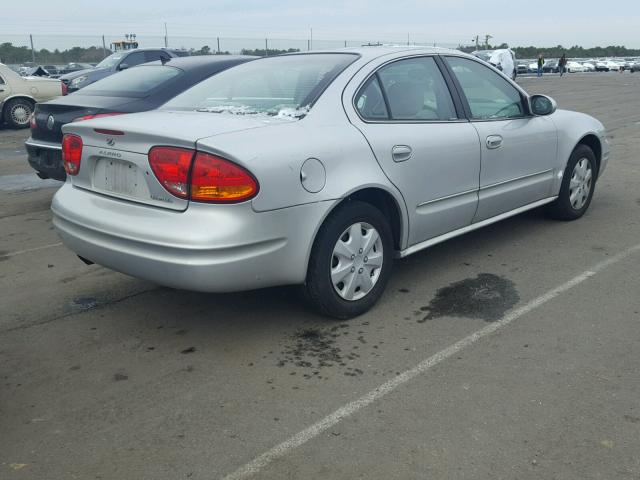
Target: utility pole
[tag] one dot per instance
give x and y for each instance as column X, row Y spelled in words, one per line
column 218, row 39
column 311, row 39
column 104, row 48
column 486, row 40
column 266, row 48
column 477, row 41
column 407, row 39
column 33, row 52
column 166, row 36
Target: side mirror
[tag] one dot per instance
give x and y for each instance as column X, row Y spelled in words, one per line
column 123, row 66
column 542, row 105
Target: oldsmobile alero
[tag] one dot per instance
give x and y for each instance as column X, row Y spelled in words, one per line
column 319, row 169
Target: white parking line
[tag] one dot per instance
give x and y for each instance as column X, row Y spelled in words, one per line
column 29, row 250
column 341, row 413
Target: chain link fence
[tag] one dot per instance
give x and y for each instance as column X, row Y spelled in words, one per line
column 59, row 49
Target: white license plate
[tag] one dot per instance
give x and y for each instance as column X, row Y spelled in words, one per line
column 120, row 177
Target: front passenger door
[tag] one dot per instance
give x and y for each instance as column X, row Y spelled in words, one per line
column 518, row 149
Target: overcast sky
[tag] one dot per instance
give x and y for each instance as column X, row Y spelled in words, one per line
column 518, row 23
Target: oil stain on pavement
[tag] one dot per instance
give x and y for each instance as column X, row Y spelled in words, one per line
column 487, row 297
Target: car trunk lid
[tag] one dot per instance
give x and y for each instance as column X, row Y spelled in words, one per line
column 115, row 150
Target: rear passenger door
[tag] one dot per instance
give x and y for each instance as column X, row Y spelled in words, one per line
column 518, row 150
column 423, row 144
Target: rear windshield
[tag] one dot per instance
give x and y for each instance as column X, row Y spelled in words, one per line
column 134, row 82
column 287, row 85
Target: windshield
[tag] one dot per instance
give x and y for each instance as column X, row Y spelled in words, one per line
column 110, row 61
column 133, row 82
column 287, row 86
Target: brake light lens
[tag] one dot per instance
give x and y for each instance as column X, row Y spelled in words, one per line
column 215, row 179
column 71, row 153
column 33, row 125
column 171, row 167
column 97, row 115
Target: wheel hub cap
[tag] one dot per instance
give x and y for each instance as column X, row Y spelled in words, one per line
column 580, row 184
column 20, row 114
column 356, row 261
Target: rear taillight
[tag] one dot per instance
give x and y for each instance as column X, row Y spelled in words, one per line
column 71, row 153
column 210, row 179
column 215, row 179
column 65, row 89
column 97, row 115
column 171, row 167
column 33, row 125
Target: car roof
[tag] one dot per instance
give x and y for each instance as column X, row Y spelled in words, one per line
column 375, row 51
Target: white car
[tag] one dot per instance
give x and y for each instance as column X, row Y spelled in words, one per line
column 18, row 95
column 589, row 66
column 575, row 67
column 614, row 66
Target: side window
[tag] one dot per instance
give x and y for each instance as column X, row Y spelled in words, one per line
column 416, row 90
column 370, row 102
column 134, row 59
column 153, row 55
column 489, row 95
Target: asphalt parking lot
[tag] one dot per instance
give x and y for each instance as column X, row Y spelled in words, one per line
column 509, row 353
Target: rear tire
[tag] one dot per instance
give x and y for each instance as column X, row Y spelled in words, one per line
column 350, row 262
column 578, row 185
column 17, row 112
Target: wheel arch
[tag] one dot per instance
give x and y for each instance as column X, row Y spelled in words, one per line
column 8, row 100
column 592, row 141
column 390, row 203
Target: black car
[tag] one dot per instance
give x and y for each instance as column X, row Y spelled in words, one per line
column 138, row 89
column 114, row 63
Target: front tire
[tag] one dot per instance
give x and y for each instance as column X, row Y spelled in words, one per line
column 578, row 185
column 17, row 112
column 350, row 262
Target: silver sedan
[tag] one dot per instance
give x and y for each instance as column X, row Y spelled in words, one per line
column 319, row 169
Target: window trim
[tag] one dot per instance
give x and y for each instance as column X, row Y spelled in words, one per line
column 461, row 113
column 524, row 97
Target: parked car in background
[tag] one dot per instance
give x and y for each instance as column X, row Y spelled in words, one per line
column 575, row 67
column 138, row 89
column 114, row 63
column 602, row 66
column 51, row 69
column 319, row 169
column 634, row 67
column 18, row 95
column 522, row 68
column 74, row 67
column 550, row 66
column 589, row 66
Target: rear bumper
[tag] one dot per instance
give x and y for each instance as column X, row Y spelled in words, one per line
column 210, row 248
column 46, row 159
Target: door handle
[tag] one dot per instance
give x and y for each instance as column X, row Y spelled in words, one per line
column 494, row 141
column 401, row 153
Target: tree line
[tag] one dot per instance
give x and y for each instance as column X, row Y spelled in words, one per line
column 10, row 53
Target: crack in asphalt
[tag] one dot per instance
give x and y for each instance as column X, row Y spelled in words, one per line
column 96, row 306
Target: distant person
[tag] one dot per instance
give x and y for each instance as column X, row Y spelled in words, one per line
column 540, row 64
column 562, row 64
